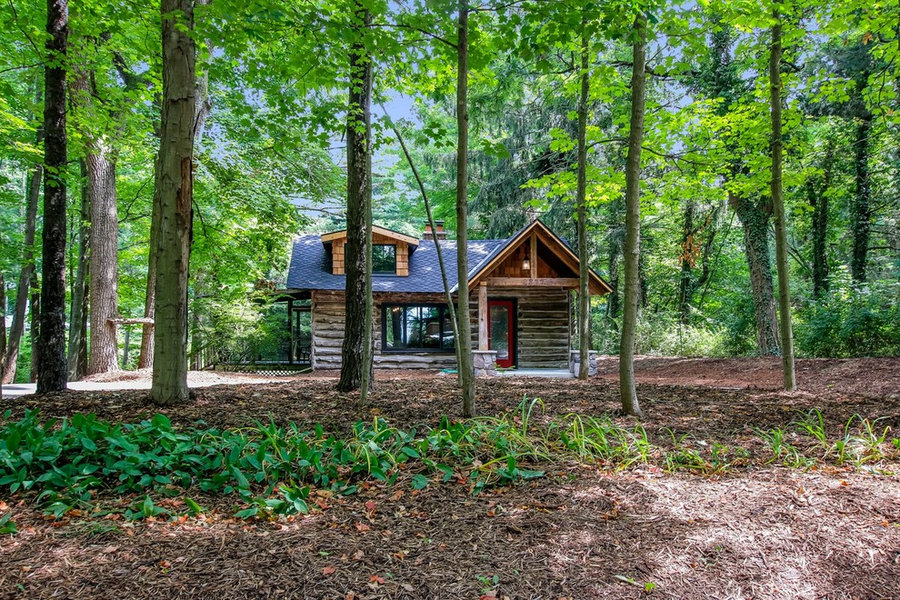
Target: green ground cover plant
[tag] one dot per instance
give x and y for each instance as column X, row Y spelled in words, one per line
column 72, row 463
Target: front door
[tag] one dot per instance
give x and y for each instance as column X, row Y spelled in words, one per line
column 502, row 331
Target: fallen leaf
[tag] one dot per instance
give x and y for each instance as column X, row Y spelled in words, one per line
column 376, row 579
column 328, row 571
column 362, row 527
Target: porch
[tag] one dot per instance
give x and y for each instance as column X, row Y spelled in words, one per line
column 523, row 303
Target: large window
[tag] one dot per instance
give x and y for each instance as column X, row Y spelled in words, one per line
column 422, row 328
column 384, row 259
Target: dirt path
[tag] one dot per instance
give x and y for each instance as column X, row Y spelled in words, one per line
column 863, row 376
column 772, row 534
column 761, row 531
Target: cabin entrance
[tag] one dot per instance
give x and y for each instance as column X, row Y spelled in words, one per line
column 502, row 327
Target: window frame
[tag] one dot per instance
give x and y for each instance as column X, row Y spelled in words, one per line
column 443, row 313
column 383, row 273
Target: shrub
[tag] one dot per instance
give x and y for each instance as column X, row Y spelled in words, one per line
column 864, row 322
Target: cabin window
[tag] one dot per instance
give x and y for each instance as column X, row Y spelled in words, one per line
column 384, row 259
column 418, row 328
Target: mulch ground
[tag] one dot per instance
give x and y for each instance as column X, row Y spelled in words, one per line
column 579, row 532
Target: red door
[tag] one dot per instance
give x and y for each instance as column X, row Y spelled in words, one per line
column 502, row 331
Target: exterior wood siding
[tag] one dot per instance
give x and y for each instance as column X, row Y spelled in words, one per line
column 543, row 322
column 543, row 325
column 338, row 262
column 328, row 333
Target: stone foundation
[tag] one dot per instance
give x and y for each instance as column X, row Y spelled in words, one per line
column 575, row 361
column 485, row 363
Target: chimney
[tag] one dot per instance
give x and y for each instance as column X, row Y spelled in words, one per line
column 440, row 234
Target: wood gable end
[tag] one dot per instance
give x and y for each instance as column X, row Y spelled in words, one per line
column 405, row 244
column 536, row 257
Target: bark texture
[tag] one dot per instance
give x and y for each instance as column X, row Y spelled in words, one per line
column 103, row 248
column 34, row 311
column 356, row 348
column 104, row 258
column 51, row 371
column 464, row 341
column 78, row 312
column 175, row 185
column 754, row 218
column 691, row 250
column 584, row 298
column 145, row 358
column 632, row 251
column 204, row 105
column 781, row 241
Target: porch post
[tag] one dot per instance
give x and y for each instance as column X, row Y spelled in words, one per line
column 483, row 341
column 533, row 248
column 290, row 313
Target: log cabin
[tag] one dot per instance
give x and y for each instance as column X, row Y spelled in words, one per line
column 521, row 301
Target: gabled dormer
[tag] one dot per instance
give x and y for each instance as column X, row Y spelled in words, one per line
column 390, row 251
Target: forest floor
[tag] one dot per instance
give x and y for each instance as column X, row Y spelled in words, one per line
column 754, row 529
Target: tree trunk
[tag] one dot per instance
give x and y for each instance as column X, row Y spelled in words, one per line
column 613, row 252
column 755, row 222
column 818, row 200
column 466, row 365
column 35, row 313
column 26, row 275
column 78, row 312
column 204, row 105
column 358, row 320
column 781, row 241
column 126, row 348
column 632, row 251
column 2, row 324
column 100, row 169
column 52, row 371
column 175, row 185
column 584, row 298
column 145, row 358
column 860, row 217
column 686, row 283
column 104, row 253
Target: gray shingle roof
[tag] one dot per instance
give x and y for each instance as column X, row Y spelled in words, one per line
column 309, row 266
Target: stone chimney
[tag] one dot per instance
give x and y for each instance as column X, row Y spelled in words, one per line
column 440, row 234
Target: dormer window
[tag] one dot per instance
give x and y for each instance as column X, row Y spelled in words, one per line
column 390, row 251
column 384, row 259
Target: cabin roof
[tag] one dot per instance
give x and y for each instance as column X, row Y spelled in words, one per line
column 309, row 269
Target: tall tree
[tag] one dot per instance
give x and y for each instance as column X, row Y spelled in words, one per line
column 27, row 275
column 584, row 298
column 77, row 353
column 175, row 183
column 720, row 81
column 100, row 158
column 145, row 357
column 52, row 373
column 781, row 242
column 464, row 341
column 632, row 250
column 356, row 354
column 2, row 324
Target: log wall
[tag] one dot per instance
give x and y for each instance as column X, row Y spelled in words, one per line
column 543, row 324
column 328, row 333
